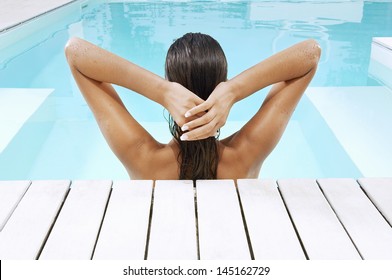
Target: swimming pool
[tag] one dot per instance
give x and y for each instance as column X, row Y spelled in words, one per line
column 61, row 139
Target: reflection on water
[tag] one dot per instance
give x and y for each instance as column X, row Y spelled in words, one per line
column 248, row 32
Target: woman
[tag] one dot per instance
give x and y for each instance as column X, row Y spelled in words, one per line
column 199, row 97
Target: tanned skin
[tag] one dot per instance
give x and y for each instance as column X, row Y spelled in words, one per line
column 241, row 155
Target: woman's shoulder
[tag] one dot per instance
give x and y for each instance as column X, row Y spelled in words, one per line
column 233, row 163
column 160, row 162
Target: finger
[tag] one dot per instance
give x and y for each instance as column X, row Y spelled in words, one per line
column 190, row 119
column 195, row 99
column 201, row 121
column 199, row 133
column 198, row 109
column 200, row 136
column 199, row 115
column 198, row 100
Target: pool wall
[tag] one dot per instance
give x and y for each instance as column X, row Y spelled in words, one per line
column 27, row 34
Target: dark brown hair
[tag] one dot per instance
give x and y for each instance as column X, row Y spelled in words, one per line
column 197, row 62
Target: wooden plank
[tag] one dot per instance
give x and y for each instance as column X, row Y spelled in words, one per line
column 27, row 229
column 320, row 231
column 221, row 229
column 11, row 192
column 124, row 230
column 173, row 223
column 379, row 190
column 270, row 230
column 76, row 229
column 369, row 231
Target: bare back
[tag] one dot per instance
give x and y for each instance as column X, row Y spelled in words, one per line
column 162, row 163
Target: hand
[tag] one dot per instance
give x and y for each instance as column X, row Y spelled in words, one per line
column 216, row 109
column 179, row 100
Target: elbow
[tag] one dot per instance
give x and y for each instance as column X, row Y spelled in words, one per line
column 313, row 51
column 71, row 50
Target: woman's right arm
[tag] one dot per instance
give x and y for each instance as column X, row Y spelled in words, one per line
column 95, row 70
column 106, row 67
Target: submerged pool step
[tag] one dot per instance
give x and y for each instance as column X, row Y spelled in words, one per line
column 380, row 66
column 360, row 117
column 17, row 105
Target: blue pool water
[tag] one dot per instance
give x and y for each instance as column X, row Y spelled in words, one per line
column 61, row 140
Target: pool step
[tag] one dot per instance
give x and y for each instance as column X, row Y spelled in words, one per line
column 380, row 66
column 17, row 105
column 383, row 44
column 360, row 117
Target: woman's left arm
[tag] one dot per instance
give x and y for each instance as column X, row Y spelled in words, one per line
column 281, row 70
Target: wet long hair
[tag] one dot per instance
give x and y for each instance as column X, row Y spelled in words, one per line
column 197, row 62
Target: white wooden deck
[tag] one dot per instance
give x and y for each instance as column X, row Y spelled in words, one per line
column 222, row 219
